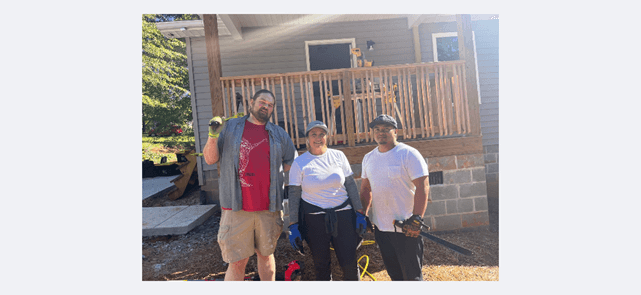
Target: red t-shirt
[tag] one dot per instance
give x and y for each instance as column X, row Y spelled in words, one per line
column 253, row 167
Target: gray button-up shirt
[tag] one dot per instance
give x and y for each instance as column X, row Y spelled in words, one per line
column 281, row 151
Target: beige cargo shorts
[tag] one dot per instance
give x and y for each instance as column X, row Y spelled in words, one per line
column 242, row 233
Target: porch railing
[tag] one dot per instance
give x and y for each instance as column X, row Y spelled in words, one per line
column 427, row 100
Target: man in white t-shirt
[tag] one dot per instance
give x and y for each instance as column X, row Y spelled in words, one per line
column 395, row 187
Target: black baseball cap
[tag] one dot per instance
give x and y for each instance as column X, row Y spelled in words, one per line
column 383, row 119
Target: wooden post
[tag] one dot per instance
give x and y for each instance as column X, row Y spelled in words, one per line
column 417, row 44
column 357, row 131
column 282, row 96
column 348, row 123
column 371, row 102
column 214, row 65
column 273, row 90
column 466, row 52
column 303, row 97
column 420, row 100
column 294, row 109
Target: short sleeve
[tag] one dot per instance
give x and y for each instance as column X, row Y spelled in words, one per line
column 347, row 168
column 416, row 165
column 295, row 175
column 289, row 151
column 363, row 167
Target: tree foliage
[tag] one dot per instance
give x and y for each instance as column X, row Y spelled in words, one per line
column 166, row 98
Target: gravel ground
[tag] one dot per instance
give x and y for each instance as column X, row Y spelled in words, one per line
column 196, row 255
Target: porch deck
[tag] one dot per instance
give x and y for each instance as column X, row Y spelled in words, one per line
column 428, row 100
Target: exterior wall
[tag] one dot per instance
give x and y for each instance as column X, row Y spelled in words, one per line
column 210, row 186
column 491, row 153
column 492, row 162
column 487, row 35
column 282, row 49
column 461, row 201
column 457, row 204
column 487, row 48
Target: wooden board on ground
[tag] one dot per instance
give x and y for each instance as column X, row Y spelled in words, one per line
column 187, row 169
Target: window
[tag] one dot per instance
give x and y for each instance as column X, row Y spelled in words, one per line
column 350, row 41
column 445, row 48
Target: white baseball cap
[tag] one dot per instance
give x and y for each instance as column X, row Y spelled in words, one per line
column 316, row 124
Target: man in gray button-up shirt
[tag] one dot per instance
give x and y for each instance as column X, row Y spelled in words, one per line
column 227, row 143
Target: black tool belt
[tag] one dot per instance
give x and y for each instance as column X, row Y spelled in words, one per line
column 330, row 215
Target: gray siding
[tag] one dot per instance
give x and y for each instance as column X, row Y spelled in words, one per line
column 282, row 49
column 487, row 49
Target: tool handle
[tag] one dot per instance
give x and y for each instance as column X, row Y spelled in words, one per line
column 400, row 223
column 445, row 243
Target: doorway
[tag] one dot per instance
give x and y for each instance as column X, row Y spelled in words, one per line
column 325, row 55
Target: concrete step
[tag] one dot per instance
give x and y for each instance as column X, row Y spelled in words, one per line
column 173, row 220
column 157, row 185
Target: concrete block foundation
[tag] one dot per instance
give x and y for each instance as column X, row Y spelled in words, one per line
column 491, row 157
column 461, row 201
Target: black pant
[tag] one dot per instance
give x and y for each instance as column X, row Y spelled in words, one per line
column 344, row 245
column 402, row 255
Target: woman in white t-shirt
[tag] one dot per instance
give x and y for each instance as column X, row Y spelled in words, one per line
column 324, row 197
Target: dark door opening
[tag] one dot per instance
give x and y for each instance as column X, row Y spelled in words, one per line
column 325, row 57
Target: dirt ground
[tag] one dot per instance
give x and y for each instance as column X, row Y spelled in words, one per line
column 196, row 255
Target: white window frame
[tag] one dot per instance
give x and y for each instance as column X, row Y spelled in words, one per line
column 476, row 61
column 352, row 41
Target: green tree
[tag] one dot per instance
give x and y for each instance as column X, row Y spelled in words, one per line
column 166, row 98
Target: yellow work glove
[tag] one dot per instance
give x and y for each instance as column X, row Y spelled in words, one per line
column 216, row 124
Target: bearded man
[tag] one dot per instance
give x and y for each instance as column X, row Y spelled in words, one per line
column 254, row 154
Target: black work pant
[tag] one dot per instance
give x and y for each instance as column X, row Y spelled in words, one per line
column 402, row 255
column 344, row 245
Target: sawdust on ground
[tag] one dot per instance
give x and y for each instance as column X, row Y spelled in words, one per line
column 196, row 255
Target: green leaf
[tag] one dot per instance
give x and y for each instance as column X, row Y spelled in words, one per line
column 166, row 97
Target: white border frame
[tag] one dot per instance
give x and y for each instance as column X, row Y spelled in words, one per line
column 476, row 61
column 351, row 41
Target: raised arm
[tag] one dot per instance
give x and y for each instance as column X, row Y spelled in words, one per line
column 211, row 151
